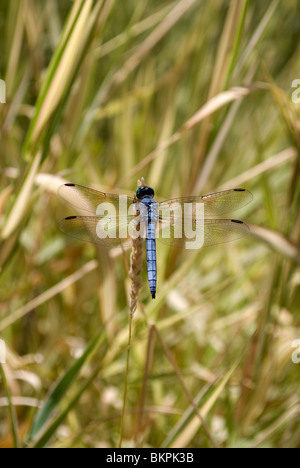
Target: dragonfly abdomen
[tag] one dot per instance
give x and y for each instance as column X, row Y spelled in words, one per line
column 151, row 250
column 151, row 264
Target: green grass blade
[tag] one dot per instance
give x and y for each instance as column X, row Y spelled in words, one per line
column 44, row 437
column 57, row 394
column 12, row 413
column 186, row 434
column 59, row 71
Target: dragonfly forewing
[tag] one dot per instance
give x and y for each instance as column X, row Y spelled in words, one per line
column 89, row 200
column 215, row 204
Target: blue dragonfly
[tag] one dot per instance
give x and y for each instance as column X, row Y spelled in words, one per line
column 120, row 220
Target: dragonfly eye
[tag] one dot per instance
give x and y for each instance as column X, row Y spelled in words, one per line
column 144, row 192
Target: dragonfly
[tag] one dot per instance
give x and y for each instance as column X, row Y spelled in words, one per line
column 121, row 219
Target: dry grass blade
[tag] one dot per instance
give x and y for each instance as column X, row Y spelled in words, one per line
column 160, row 31
column 226, row 43
column 117, row 78
column 19, row 208
column 214, row 104
column 21, row 401
column 63, row 64
column 287, row 155
column 261, row 27
column 285, row 419
column 212, row 156
column 223, row 65
column 207, row 109
column 45, row 296
column 199, row 415
column 135, row 30
column 278, row 242
column 16, row 27
column 4, row 197
column 186, row 436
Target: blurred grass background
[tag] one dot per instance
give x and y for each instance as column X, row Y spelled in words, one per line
column 195, row 96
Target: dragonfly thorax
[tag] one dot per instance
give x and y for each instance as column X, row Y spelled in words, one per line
column 148, row 210
column 144, row 198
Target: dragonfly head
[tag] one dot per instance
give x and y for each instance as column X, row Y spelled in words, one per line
column 144, row 192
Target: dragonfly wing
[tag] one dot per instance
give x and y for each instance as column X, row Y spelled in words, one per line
column 93, row 228
column 215, row 204
column 88, row 200
column 211, row 231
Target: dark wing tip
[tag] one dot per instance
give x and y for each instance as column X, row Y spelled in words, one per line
column 239, row 190
column 69, row 185
column 69, row 217
column 237, row 221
